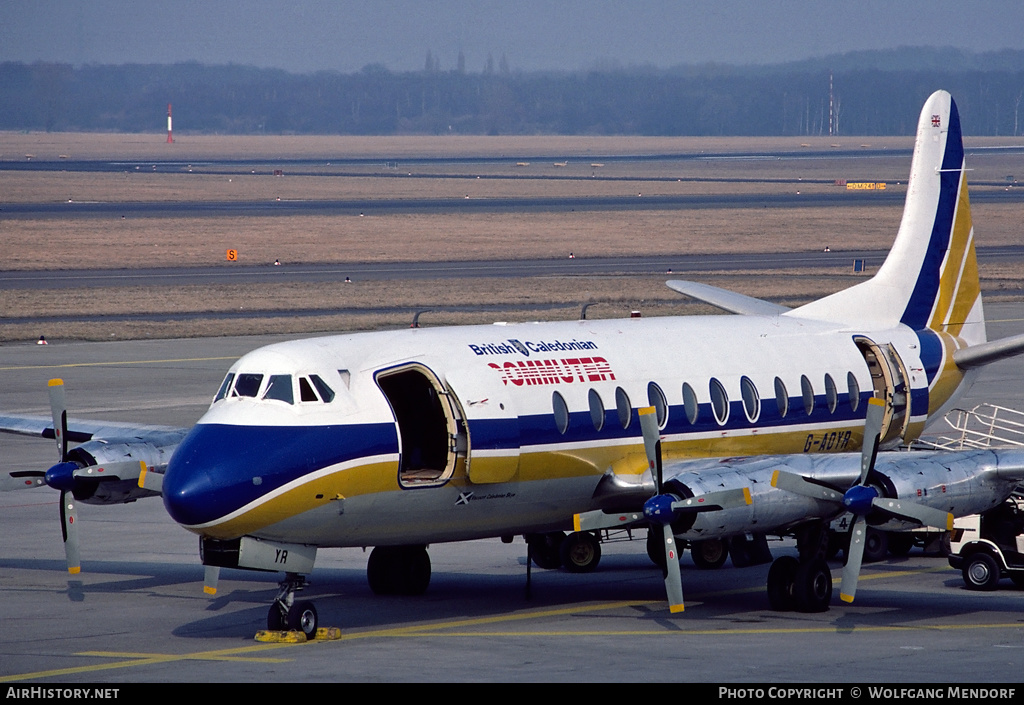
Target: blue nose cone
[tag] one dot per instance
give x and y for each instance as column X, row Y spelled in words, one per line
column 61, row 476
column 187, row 492
column 659, row 509
column 858, row 499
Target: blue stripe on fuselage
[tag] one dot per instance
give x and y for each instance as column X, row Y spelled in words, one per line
column 211, row 473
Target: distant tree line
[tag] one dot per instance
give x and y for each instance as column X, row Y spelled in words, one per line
column 873, row 93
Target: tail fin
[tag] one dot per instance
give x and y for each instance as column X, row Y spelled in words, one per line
column 930, row 278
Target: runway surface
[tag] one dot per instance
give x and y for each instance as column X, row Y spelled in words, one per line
column 456, row 269
column 137, row 613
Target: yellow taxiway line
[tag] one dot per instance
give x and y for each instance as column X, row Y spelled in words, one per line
column 465, row 628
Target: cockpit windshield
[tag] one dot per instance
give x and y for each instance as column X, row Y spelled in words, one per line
column 311, row 388
column 247, row 385
column 280, row 388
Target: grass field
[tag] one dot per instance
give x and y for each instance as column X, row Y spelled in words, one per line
column 100, row 242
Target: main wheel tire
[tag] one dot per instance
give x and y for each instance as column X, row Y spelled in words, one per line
column 380, row 571
column 275, row 620
column 780, row 583
column 981, row 572
column 812, row 586
column 876, row 546
column 656, row 547
column 900, row 544
column 415, row 570
column 302, row 617
column 546, row 550
column 580, row 552
column 398, row 570
column 709, row 554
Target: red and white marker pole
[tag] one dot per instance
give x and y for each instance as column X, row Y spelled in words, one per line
column 170, row 138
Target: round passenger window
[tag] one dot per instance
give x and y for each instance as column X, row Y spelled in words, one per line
column 561, row 411
column 719, row 401
column 690, row 404
column 622, row 406
column 751, row 399
column 781, row 397
column 596, row 409
column 851, row 382
column 656, row 398
column 808, row 393
column 831, row 396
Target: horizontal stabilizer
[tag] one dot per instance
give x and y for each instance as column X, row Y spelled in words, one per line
column 726, row 300
column 984, row 353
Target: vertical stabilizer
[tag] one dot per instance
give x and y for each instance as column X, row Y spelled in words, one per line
column 929, row 281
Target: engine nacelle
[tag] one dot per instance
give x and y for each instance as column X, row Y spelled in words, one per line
column 962, row 483
column 108, row 470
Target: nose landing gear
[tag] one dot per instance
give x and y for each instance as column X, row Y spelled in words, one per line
column 286, row 614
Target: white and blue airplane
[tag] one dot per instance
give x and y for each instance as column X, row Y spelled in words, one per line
column 702, row 428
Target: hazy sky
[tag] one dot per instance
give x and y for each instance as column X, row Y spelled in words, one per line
column 345, row 35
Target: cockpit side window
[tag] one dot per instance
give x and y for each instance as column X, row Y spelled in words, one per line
column 224, row 387
column 306, row 392
column 326, row 393
column 247, row 385
column 280, row 388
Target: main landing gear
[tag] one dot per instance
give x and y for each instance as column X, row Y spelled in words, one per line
column 398, row 570
column 804, row 584
column 578, row 552
column 286, row 614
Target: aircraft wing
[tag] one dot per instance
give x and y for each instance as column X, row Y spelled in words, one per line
column 726, row 300
column 80, row 431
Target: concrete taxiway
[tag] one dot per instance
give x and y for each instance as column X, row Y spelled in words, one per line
column 137, row 613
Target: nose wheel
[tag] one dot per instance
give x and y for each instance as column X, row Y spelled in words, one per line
column 286, row 614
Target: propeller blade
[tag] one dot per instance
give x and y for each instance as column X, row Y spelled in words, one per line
column 58, row 410
column 124, row 470
column 652, row 443
column 152, row 481
column 915, row 512
column 69, row 528
column 854, row 558
column 803, row 486
column 673, row 580
column 597, row 519
column 714, row 501
column 210, row 578
column 872, row 436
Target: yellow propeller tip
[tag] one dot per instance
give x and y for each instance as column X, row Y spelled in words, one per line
column 845, row 598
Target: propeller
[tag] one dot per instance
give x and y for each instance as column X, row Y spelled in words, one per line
column 658, row 509
column 67, row 473
column 61, row 477
column 861, row 499
column 663, row 508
